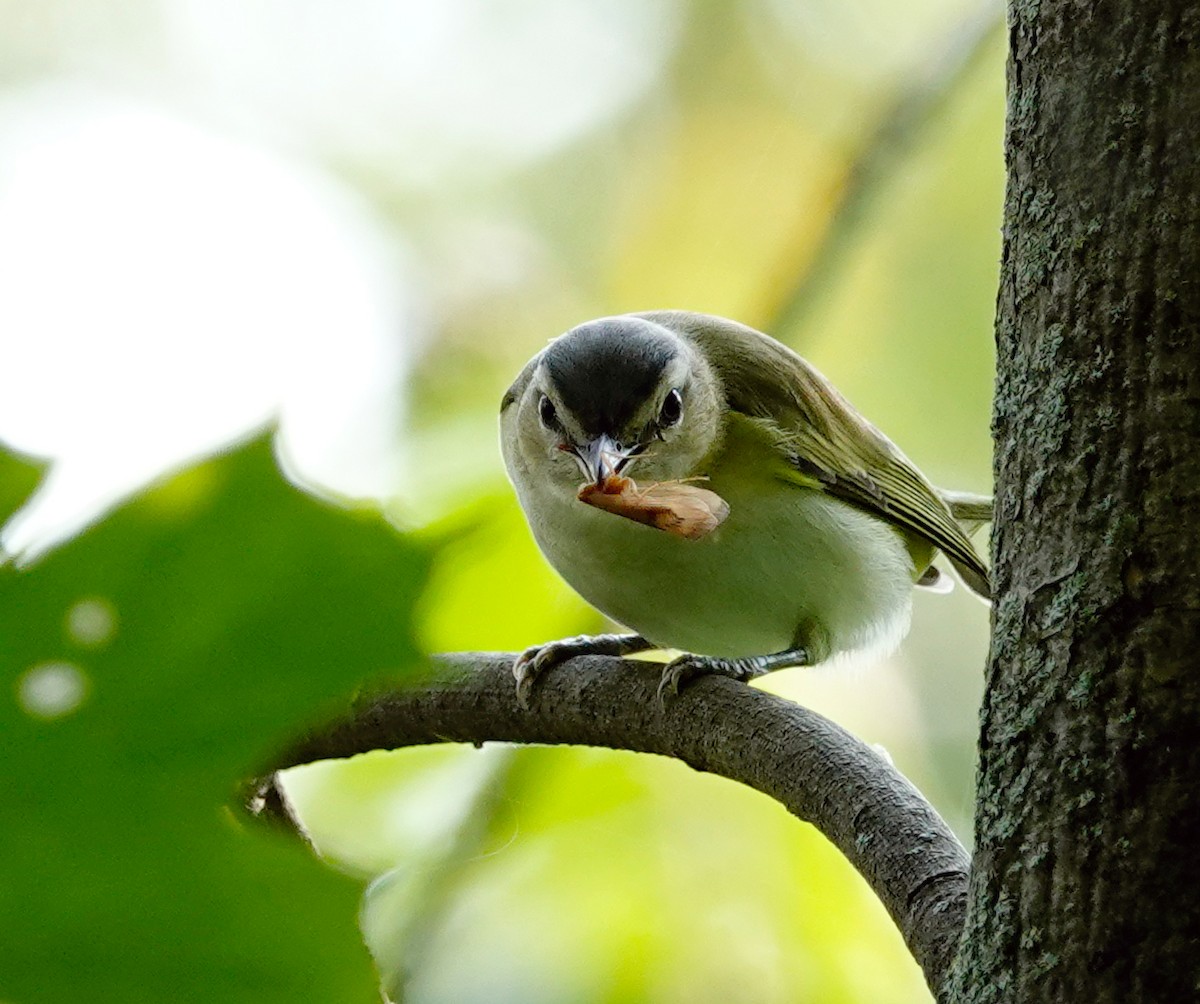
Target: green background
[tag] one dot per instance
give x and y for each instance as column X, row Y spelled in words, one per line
column 239, row 606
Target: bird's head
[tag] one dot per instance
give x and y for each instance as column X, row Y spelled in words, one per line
column 613, row 394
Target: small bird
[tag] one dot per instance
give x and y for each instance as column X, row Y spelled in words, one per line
column 824, row 525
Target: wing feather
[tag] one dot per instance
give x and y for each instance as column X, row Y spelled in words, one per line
column 832, row 444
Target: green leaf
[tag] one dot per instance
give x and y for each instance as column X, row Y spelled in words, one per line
column 18, row 478
column 150, row 665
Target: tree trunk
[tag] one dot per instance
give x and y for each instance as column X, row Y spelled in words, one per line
column 1086, row 879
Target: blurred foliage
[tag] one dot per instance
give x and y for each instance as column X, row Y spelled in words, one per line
column 155, row 660
column 537, row 874
column 19, row 476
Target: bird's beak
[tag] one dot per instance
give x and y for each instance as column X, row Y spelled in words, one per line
column 603, row 457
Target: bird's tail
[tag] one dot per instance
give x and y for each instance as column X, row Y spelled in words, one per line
column 971, row 510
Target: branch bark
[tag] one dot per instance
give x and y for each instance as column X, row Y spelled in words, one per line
column 817, row 770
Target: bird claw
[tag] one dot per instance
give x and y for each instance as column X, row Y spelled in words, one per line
column 536, row 659
column 669, row 683
column 678, row 673
column 525, row 670
column 524, row 677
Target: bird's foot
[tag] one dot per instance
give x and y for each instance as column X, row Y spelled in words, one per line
column 534, row 661
column 678, row 673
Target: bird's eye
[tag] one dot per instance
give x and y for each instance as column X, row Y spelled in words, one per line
column 672, row 409
column 547, row 413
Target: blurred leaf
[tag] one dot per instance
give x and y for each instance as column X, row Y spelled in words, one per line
column 18, row 479
column 155, row 661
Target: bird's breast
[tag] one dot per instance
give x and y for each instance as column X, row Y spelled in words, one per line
column 788, row 566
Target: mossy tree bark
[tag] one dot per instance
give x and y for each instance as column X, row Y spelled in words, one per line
column 1086, row 877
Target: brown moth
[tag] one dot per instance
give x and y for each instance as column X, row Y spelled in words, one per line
column 677, row 507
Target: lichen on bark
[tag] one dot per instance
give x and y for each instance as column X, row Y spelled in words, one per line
column 1088, row 807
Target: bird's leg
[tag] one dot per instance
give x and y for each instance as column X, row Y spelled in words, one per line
column 679, row 672
column 534, row 661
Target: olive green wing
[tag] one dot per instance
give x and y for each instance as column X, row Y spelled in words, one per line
column 833, row 447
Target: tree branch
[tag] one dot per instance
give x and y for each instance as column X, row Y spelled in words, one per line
column 817, row 770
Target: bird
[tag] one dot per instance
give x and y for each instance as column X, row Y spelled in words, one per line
column 825, row 526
